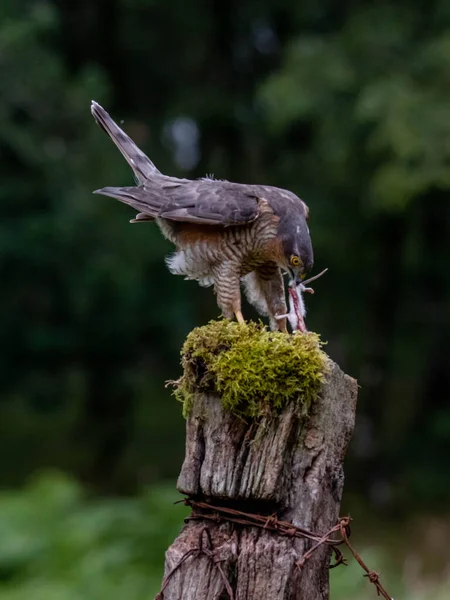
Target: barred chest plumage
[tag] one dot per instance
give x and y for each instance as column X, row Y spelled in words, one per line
column 199, row 253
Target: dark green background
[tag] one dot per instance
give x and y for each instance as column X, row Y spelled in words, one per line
column 347, row 104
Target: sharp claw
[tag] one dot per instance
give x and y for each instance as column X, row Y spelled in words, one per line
column 239, row 317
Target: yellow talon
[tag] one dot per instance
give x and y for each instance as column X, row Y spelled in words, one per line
column 239, row 317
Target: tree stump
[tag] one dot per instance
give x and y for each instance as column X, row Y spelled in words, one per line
column 289, row 464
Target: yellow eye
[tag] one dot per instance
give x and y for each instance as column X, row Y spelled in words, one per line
column 295, row 261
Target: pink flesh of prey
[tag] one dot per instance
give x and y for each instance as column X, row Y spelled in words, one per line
column 297, row 311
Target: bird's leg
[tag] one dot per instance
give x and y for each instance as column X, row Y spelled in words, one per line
column 281, row 324
column 264, row 289
column 228, row 291
column 275, row 295
column 239, row 317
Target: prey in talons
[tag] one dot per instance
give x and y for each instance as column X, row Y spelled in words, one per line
column 297, row 310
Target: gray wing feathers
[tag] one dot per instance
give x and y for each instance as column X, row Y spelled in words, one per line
column 183, row 215
column 190, row 204
column 142, row 166
column 202, row 201
column 211, row 203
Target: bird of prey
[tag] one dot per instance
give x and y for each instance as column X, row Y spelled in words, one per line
column 225, row 233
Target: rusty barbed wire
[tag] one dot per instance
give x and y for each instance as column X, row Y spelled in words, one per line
column 219, row 514
column 202, row 549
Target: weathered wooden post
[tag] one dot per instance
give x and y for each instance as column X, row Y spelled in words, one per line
column 269, row 419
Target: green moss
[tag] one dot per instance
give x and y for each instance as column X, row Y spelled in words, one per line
column 255, row 371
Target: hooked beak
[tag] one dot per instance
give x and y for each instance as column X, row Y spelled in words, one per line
column 296, row 276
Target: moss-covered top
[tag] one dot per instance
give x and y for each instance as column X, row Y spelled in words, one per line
column 255, row 371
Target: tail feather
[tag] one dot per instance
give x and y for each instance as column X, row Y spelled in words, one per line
column 142, row 166
column 142, row 201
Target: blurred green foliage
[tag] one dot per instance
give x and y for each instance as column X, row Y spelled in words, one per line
column 346, row 105
column 59, row 543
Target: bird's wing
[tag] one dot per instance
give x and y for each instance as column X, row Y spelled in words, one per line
column 215, row 202
column 142, row 166
column 203, row 202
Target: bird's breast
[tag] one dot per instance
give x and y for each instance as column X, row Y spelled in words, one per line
column 249, row 245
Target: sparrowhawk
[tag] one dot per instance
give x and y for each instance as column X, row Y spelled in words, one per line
column 225, row 233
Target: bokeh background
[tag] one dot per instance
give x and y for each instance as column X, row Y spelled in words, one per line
column 348, row 105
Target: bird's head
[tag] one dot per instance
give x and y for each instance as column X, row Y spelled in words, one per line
column 297, row 248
